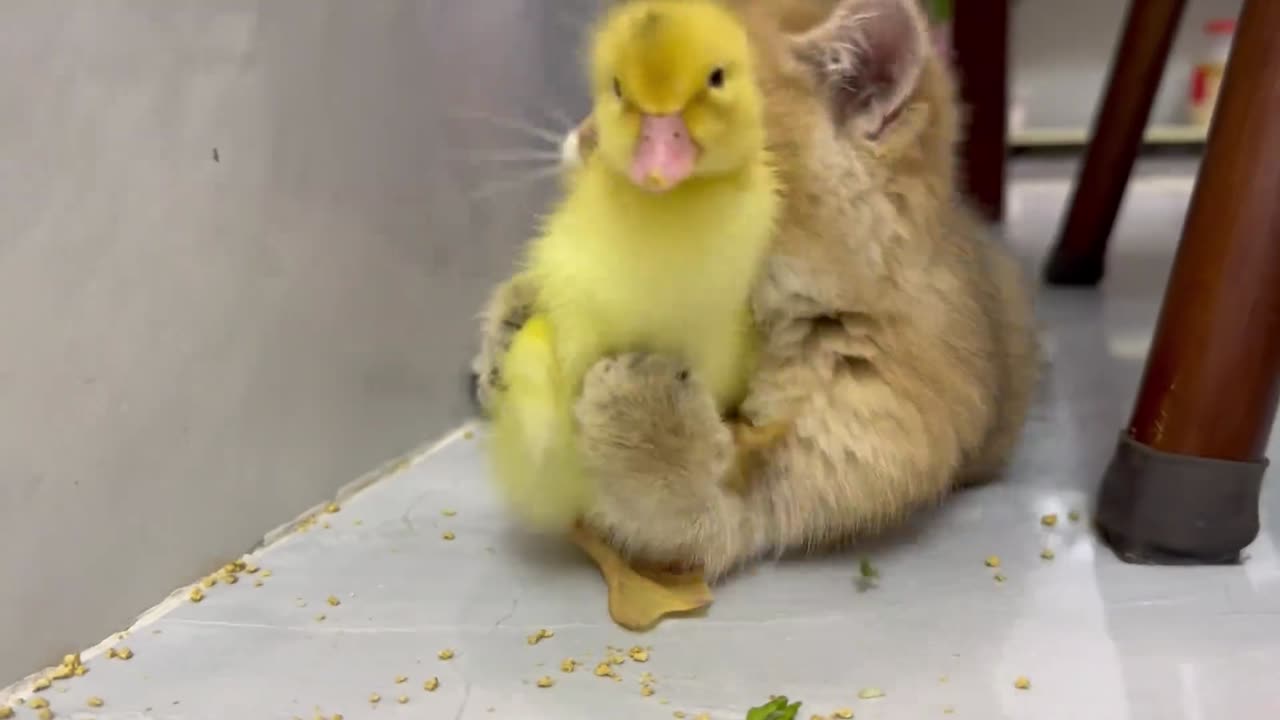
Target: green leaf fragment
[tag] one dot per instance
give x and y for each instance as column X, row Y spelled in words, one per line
column 775, row 709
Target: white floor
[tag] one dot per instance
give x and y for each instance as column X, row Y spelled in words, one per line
column 1099, row 640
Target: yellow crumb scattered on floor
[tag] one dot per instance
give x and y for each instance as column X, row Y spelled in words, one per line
column 44, row 714
column 568, row 665
column 448, row 535
column 42, row 684
column 604, row 669
column 6, row 712
column 1046, row 554
column 677, row 714
column 333, row 601
column 258, row 583
column 1074, row 516
column 944, row 678
column 449, row 513
column 37, row 703
column 431, row 684
column 546, row 681
column 639, row 654
column 321, row 617
column 403, row 699
column 124, row 653
column 999, row 577
column 445, row 654
column 844, row 713
column 332, row 508
column 993, row 561
column 94, row 702
column 375, row 698
column 1022, row 683
column 196, row 595
column 266, row 573
column 948, row 710
column 870, row 693
column 402, row 679
column 646, row 690
column 1049, row 520
column 702, row 716
column 539, row 636
column 209, row 581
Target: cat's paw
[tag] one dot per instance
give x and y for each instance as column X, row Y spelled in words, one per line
column 508, row 309
column 647, row 413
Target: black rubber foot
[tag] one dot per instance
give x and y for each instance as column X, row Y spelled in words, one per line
column 1156, row 508
column 1070, row 271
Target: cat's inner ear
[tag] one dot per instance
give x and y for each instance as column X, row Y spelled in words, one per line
column 868, row 55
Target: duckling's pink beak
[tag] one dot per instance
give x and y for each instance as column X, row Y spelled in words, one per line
column 665, row 153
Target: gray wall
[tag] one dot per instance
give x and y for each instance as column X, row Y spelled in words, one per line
column 1061, row 50
column 193, row 351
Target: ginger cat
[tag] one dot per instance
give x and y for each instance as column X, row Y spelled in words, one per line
column 899, row 345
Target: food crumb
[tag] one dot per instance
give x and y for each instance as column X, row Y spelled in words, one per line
column 196, row 595
column 375, row 698
column 42, row 684
column 37, row 703
column 209, row 581
column 639, row 654
column 402, row 679
column 448, row 535
column 445, row 654
column 6, row 712
column 1046, row 554
column 94, row 702
column 993, row 561
column 258, row 583
column 403, row 699
column 539, row 636
column 266, row 573
column 999, row 577
column 1049, row 520
column 321, row 617
column 332, row 507
column 546, row 681
column 844, row 713
column 870, row 693
column 1074, row 516
column 568, row 665
column 1022, row 683
column 604, row 669
column 948, row 710
column 333, row 601
column 702, row 716
column 432, row 684
column 44, row 714
column 677, row 714
column 646, row 690
column 448, row 513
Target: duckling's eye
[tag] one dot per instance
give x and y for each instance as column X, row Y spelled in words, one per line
column 617, row 88
column 717, row 78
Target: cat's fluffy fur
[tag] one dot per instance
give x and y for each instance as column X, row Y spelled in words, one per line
column 899, row 340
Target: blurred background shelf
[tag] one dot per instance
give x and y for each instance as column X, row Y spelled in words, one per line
column 1069, row 137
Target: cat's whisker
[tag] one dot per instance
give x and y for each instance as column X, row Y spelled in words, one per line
column 527, row 128
column 517, row 157
column 500, row 186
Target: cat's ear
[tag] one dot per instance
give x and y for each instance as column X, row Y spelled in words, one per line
column 868, row 54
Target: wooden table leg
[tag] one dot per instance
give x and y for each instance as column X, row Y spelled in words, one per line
column 980, row 52
column 1136, row 69
column 1185, row 480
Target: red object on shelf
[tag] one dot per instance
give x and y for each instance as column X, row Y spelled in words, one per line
column 1221, row 26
